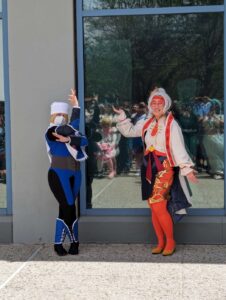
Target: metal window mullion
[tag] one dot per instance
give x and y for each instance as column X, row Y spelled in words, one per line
column 3, row 211
column 146, row 212
column 152, row 11
column 224, row 107
column 206, row 212
column 118, row 212
column 7, row 108
column 80, row 81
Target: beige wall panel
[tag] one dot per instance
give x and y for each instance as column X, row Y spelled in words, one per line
column 41, row 69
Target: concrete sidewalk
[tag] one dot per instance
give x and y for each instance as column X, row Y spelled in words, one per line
column 113, row 272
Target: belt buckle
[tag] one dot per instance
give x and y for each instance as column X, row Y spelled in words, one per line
column 151, row 148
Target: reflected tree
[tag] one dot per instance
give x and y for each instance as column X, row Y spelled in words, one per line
column 124, row 56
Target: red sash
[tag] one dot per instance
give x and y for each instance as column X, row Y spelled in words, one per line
column 146, row 125
column 169, row 121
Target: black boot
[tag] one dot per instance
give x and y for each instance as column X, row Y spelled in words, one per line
column 59, row 249
column 73, row 250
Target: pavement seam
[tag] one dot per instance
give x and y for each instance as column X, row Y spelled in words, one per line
column 101, row 191
column 20, row 268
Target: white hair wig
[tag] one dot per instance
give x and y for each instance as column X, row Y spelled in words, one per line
column 160, row 92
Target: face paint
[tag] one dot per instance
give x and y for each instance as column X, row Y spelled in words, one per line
column 157, row 106
column 156, row 94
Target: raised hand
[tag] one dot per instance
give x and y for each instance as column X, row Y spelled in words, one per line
column 117, row 111
column 121, row 116
column 73, row 98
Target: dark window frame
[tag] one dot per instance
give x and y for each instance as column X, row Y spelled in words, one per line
column 4, row 18
column 80, row 14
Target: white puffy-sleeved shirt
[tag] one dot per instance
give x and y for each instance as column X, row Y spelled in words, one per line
column 175, row 149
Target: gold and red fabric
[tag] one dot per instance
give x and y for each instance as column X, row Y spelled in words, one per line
column 162, row 184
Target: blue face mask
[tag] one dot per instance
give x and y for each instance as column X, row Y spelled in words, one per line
column 59, row 120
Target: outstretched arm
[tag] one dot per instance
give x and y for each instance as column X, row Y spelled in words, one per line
column 126, row 127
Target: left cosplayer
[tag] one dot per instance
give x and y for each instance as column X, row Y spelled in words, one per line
column 65, row 146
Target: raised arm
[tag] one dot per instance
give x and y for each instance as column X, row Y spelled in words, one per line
column 75, row 115
column 126, row 127
column 69, row 133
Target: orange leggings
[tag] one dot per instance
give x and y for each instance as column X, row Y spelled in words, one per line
column 161, row 219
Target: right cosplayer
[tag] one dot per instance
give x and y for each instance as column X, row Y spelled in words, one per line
column 165, row 169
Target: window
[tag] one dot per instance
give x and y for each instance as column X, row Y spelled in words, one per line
column 124, row 55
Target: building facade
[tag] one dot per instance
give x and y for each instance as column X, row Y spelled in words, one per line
column 114, row 53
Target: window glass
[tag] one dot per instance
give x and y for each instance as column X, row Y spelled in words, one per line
column 124, row 57
column 2, row 129
column 112, row 4
column 0, row 5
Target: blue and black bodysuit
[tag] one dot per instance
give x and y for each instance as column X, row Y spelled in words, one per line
column 64, row 174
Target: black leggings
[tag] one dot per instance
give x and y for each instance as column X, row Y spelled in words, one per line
column 66, row 212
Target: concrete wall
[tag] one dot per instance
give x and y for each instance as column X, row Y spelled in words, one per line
column 41, row 70
column 6, row 229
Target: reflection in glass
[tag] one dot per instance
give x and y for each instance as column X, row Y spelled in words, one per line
column 112, row 4
column 124, row 58
column 1, row 65
column 2, row 130
column 0, row 5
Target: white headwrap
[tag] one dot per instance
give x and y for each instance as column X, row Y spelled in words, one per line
column 160, row 92
column 59, row 107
